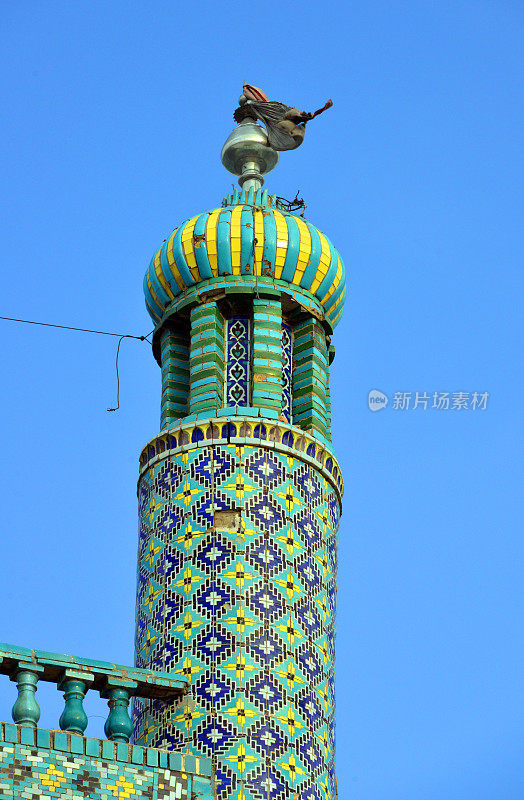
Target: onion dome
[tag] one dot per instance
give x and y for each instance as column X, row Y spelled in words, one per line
column 250, row 236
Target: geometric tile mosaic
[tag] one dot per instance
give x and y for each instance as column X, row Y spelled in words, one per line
column 237, row 361
column 245, row 614
column 287, row 368
column 80, row 771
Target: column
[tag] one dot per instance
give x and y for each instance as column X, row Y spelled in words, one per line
column 175, row 375
column 26, row 710
column 328, row 410
column 267, row 355
column 207, row 358
column 310, row 376
column 74, row 685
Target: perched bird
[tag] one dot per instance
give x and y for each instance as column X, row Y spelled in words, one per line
column 285, row 125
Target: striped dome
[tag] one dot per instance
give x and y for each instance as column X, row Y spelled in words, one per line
column 249, row 236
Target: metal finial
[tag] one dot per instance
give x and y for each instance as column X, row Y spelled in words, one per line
column 250, row 152
column 247, row 154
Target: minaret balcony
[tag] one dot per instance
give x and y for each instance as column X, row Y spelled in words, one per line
column 66, row 761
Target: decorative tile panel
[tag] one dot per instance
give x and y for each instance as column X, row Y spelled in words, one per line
column 287, row 369
column 237, row 361
column 246, row 614
column 48, row 764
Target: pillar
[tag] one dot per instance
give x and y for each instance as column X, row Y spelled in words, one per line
column 267, row 354
column 174, row 347
column 207, row 358
column 310, row 376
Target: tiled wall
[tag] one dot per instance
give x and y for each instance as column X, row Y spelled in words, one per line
column 255, row 359
column 50, row 764
column 245, row 612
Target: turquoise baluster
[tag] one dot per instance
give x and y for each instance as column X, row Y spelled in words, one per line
column 118, row 725
column 74, row 685
column 26, row 710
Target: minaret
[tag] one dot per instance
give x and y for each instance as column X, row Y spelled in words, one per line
column 240, row 492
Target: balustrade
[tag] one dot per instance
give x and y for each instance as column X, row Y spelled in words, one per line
column 75, row 677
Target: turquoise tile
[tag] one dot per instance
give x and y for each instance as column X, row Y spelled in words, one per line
column 205, row 766
column 90, row 662
column 77, row 744
column 43, row 656
column 43, row 738
column 60, row 742
column 190, row 763
column 10, row 732
column 175, row 761
column 92, row 747
column 8, row 649
column 122, row 751
column 108, row 749
column 27, row 735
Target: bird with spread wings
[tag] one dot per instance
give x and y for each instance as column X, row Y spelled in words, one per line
column 285, row 125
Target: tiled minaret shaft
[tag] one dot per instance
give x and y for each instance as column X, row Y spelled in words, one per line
column 240, row 500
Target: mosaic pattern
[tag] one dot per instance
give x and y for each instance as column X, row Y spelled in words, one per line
column 287, row 349
column 237, row 593
column 33, row 772
column 244, row 431
column 237, row 361
column 249, row 236
column 255, row 360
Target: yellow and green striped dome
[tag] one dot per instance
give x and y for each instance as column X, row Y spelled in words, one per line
column 249, row 236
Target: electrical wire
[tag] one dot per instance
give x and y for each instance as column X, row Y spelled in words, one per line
column 71, row 328
column 89, row 330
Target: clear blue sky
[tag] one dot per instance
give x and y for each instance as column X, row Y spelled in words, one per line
column 114, row 116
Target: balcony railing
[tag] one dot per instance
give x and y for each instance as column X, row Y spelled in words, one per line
column 75, row 677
